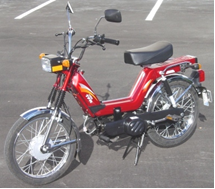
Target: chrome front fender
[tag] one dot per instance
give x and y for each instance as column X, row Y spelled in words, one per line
column 43, row 110
column 34, row 112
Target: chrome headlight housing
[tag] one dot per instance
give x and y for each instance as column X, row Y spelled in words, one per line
column 46, row 64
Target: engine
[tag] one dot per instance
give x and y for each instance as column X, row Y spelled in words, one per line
column 132, row 126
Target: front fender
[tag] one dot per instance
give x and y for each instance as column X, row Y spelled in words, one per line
column 35, row 112
column 43, row 110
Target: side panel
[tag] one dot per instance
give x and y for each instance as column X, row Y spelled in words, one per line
column 91, row 105
column 143, row 83
column 135, row 98
column 83, row 93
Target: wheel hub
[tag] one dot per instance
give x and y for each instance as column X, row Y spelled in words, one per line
column 35, row 148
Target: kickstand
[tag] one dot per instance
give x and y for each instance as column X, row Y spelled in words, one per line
column 138, row 145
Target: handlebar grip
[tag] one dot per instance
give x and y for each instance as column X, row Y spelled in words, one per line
column 111, row 41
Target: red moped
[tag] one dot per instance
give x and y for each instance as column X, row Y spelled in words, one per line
column 163, row 104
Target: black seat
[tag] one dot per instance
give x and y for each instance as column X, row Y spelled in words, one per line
column 155, row 53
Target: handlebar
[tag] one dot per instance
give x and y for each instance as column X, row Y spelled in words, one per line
column 101, row 39
column 85, row 42
column 111, row 41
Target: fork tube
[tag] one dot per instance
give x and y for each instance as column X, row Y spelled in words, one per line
column 52, row 95
column 68, row 76
column 48, row 130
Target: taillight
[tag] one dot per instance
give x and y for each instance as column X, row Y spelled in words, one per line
column 201, row 75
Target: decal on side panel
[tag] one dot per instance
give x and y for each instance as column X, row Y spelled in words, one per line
column 90, row 94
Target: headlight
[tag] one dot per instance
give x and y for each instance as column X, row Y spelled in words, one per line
column 52, row 63
column 46, row 64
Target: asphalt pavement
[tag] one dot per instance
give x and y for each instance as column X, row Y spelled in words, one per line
column 188, row 25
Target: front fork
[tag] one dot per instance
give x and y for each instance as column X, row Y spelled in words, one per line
column 56, row 115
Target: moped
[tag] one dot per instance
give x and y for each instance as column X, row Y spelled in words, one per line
column 163, row 104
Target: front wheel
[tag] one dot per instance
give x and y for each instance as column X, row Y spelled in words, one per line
column 23, row 149
column 171, row 134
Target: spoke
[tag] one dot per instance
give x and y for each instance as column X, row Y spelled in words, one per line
column 185, row 100
column 41, row 168
column 20, row 158
column 42, row 128
column 25, row 141
column 177, row 130
column 54, row 160
column 57, row 134
column 187, row 105
column 28, row 168
column 61, row 149
column 31, row 164
column 165, row 132
column 32, row 161
column 176, row 92
column 32, row 131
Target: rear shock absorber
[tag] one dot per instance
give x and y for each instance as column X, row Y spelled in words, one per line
column 168, row 90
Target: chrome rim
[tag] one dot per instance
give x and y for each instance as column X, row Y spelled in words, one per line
column 28, row 142
column 187, row 102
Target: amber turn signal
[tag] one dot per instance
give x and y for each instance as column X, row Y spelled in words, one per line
column 66, row 63
column 42, row 55
column 200, row 66
column 196, row 66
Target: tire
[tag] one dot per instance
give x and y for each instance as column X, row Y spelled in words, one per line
column 24, row 157
column 170, row 134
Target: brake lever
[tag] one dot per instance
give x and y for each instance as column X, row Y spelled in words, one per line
column 95, row 42
column 101, row 45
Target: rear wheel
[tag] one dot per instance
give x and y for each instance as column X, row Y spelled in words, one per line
column 171, row 134
column 23, row 149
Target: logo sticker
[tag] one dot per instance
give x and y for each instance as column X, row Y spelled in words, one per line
column 90, row 94
column 89, row 97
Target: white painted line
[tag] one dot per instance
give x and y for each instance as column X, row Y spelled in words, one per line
column 34, row 9
column 154, row 10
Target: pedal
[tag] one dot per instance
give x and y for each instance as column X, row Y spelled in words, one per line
column 174, row 117
column 105, row 138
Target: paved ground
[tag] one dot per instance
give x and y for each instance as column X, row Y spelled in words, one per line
column 188, row 25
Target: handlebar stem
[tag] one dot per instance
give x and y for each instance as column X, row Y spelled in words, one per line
column 70, row 40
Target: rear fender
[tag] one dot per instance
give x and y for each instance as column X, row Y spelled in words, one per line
column 43, row 110
column 155, row 89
